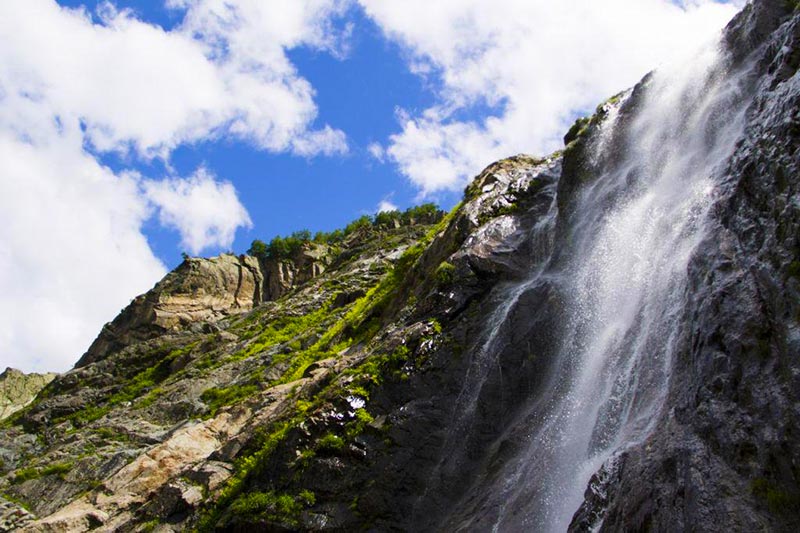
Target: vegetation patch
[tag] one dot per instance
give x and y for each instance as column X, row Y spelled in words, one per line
column 25, row 474
column 330, row 442
column 577, row 129
column 245, row 468
column 57, row 469
column 445, row 273
column 136, row 387
column 289, row 246
column 110, row 434
column 283, row 508
column 218, row 397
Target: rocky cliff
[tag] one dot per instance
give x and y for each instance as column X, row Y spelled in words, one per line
column 202, row 291
column 18, row 389
column 602, row 339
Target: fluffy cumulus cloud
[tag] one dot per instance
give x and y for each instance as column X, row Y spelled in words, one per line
column 205, row 211
column 76, row 85
column 71, row 250
column 223, row 71
column 534, row 64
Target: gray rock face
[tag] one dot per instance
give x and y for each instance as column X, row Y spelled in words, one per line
column 726, row 454
column 18, row 389
column 281, row 276
column 722, row 450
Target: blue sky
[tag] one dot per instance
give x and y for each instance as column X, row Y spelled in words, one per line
column 132, row 131
column 283, row 192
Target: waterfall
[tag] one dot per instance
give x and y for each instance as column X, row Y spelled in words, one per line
column 625, row 283
column 622, row 275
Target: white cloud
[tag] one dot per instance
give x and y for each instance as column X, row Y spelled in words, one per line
column 536, row 62
column 376, row 151
column 224, row 70
column 206, row 212
column 385, row 205
column 72, row 252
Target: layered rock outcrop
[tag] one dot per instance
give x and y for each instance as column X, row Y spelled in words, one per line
column 202, row 291
column 18, row 389
column 199, row 290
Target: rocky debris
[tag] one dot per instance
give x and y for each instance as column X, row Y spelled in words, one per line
column 13, row 517
column 18, row 389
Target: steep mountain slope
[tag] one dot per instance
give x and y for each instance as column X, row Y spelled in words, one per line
column 18, row 389
column 603, row 339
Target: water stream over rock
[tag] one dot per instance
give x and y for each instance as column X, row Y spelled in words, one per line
column 621, row 275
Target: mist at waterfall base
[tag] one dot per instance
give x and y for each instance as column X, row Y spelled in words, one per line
column 617, row 262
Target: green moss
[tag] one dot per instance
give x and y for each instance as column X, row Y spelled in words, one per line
column 445, row 273
column 611, row 101
column 150, row 525
column 16, row 500
column 275, row 507
column 793, row 270
column 218, row 397
column 88, row 414
column 305, row 457
column 330, row 442
column 57, row 469
column 245, row 468
column 137, row 386
column 303, row 405
column 361, row 420
column 150, row 398
column 283, row 330
column 374, row 370
column 25, row 474
column 111, row 435
column 335, row 331
column 307, row 497
column 577, row 129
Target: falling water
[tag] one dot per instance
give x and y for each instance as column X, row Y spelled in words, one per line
column 639, row 223
column 624, row 278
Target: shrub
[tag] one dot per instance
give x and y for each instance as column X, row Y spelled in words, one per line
column 387, row 218
column 361, row 222
column 24, row 474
